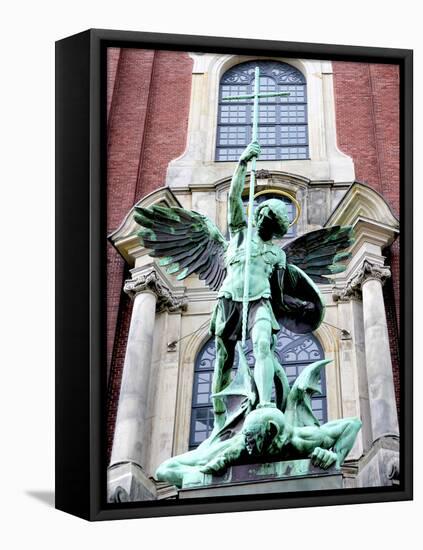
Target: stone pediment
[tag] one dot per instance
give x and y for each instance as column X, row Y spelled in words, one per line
column 124, row 238
column 363, row 202
column 375, row 225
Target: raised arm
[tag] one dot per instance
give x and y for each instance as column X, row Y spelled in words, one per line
column 236, row 215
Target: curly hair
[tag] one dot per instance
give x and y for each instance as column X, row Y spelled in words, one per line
column 279, row 214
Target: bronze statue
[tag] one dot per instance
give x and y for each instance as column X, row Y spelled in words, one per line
column 260, row 286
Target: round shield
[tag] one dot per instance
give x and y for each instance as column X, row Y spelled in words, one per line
column 302, row 308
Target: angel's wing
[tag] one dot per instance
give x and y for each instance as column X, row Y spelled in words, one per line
column 186, row 241
column 319, row 252
column 298, row 410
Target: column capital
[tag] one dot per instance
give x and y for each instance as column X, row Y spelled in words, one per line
column 151, row 282
column 367, row 272
column 370, row 270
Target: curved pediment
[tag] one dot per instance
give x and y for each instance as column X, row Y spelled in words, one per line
column 361, row 201
column 369, row 214
column 124, row 238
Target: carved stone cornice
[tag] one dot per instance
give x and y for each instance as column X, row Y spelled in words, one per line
column 351, row 291
column 353, row 288
column 151, row 282
column 373, row 271
column 263, row 174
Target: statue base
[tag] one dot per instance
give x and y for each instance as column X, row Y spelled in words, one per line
column 253, row 479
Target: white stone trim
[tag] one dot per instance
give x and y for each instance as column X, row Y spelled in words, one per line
column 375, row 228
column 363, row 202
column 188, row 352
column 151, row 281
column 197, row 163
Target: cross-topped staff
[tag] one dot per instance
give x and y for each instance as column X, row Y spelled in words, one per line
column 256, row 95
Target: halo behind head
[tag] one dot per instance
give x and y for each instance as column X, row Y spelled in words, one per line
column 284, row 194
column 279, row 213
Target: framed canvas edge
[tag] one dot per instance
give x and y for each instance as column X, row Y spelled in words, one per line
column 97, row 508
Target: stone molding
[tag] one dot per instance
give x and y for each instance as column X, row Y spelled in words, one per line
column 380, row 461
column 197, row 163
column 353, row 287
column 263, row 174
column 151, row 282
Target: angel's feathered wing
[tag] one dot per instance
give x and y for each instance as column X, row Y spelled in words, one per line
column 319, row 253
column 299, row 410
column 186, row 241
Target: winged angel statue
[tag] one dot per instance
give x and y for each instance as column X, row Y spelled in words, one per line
column 281, row 290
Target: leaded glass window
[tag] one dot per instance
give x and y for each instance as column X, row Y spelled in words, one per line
column 294, row 351
column 283, row 133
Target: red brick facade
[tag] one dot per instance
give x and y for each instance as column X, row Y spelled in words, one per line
column 367, row 123
column 148, row 106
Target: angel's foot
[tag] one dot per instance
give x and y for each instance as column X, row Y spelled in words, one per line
column 216, row 466
column 323, row 458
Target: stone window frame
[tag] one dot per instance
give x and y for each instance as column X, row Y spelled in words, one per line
column 275, row 76
column 197, row 165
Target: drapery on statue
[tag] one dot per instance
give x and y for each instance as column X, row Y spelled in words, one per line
column 281, row 290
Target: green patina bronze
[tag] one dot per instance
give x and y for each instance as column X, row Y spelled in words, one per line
column 260, row 286
column 268, row 434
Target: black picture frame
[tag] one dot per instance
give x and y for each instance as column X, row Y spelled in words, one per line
column 80, row 291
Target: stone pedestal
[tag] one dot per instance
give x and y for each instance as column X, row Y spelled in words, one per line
column 255, row 479
column 127, row 482
column 381, row 466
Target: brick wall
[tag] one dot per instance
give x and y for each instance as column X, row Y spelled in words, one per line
column 148, row 100
column 367, row 118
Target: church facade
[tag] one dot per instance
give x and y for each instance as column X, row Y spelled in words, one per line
column 330, row 151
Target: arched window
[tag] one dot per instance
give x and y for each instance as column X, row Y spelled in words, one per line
column 283, row 131
column 294, row 351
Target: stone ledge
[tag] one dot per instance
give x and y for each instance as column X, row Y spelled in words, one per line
column 273, row 477
column 127, row 482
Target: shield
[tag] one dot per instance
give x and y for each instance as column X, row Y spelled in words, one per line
column 295, row 317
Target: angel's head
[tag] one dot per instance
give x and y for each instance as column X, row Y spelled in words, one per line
column 260, row 428
column 271, row 218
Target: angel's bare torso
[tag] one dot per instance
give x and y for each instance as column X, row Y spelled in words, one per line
column 264, row 255
column 264, row 258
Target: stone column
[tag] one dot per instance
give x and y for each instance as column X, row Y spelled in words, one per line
column 353, row 371
column 381, row 458
column 126, row 475
column 378, row 354
column 369, row 281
